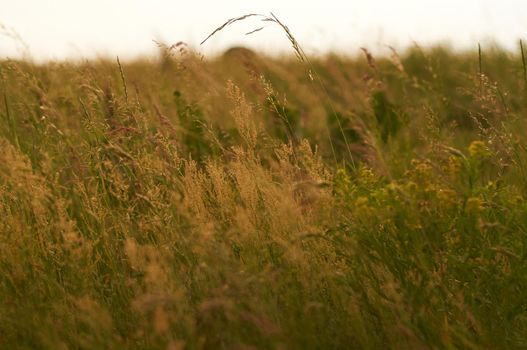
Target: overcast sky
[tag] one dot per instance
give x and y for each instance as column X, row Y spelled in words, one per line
column 58, row 29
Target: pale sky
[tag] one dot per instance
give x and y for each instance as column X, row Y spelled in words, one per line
column 59, row 29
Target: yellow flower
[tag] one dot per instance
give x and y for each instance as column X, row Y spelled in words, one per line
column 362, row 202
column 454, row 165
column 411, row 187
column 343, row 176
column 478, row 149
column 342, row 182
column 474, row 205
column 363, row 211
column 447, row 196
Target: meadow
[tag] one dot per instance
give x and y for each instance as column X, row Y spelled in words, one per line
column 252, row 202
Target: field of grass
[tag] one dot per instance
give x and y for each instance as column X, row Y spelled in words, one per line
column 243, row 201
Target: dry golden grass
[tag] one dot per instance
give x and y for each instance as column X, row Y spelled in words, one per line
column 250, row 202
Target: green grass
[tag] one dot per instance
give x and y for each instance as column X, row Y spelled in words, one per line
column 238, row 202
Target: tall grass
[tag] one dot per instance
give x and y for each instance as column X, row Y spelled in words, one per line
column 194, row 203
